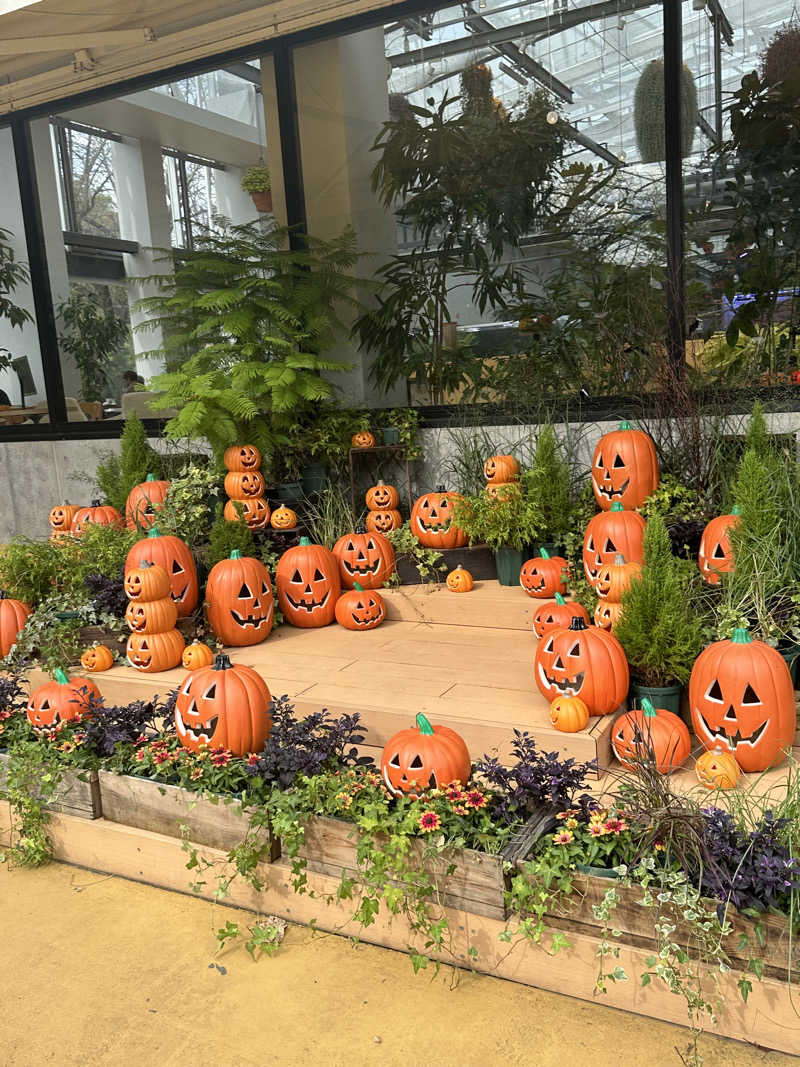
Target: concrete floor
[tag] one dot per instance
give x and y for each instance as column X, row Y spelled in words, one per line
column 99, row 971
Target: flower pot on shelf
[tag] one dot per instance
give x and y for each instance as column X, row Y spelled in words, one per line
column 509, row 564
column 478, row 560
column 391, row 435
column 262, row 200
column 313, row 478
column 667, row 697
column 791, row 653
column 287, row 491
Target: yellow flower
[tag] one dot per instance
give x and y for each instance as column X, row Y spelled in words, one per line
column 571, row 824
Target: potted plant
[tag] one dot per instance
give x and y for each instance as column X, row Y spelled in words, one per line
column 509, row 522
column 403, row 428
column 91, row 335
column 257, row 182
column 548, row 482
column 660, row 628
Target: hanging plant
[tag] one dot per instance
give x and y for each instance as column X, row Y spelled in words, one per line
column 648, row 112
column 781, row 60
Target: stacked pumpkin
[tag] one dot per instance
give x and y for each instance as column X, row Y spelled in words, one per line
column 144, row 500
column 61, row 517
column 13, row 616
column 612, row 582
column 502, row 475
column 154, row 644
column 245, row 485
column 383, row 502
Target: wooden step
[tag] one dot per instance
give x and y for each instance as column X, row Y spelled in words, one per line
column 489, row 605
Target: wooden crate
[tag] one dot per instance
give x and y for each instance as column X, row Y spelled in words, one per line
column 163, row 809
column 78, row 792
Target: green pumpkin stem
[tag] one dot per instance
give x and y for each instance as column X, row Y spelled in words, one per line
column 150, row 478
column 61, row 676
column 740, row 636
column 735, row 510
column 358, row 588
column 423, row 725
column 305, row 541
column 544, row 554
column 625, row 425
column 236, row 553
column 560, row 600
column 616, row 506
column 222, row 662
column 154, row 532
column 648, row 709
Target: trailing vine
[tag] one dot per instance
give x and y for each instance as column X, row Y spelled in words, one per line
column 32, row 779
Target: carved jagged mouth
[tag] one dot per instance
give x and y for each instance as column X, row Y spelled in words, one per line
column 366, row 622
column 718, row 733
column 360, row 570
column 533, row 585
column 137, row 660
column 437, row 528
column 301, row 605
column 566, row 686
column 178, row 597
column 609, row 493
column 199, row 732
column 251, row 620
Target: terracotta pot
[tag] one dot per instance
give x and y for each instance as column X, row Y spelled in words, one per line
column 263, row 201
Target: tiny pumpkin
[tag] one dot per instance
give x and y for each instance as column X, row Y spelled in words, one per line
column 223, row 706
column 382, row 497
column 424, row 757
column 650, row 734
column 460, row 580
column 544, row 575
column 13, row 616
column 61, row 517
column 97, row 658
column 283, row 518
column 569, row 714
column 197, row 655
column 557, row 614
column 363, row 439
column 501, row 469
column 717, row 770
column 383, row 521
column 367, row 558
column 60, row 700
column 144, row 500
column 360, row 609
column 502, row 490
column 242, row 458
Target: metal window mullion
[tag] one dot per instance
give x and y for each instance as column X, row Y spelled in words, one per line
column 183, row 191
column 675, row 288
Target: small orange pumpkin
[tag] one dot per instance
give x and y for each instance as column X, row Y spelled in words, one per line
column 553, row 616
column 283, row 518
column 155, row 652
column 502, row 490
column 147, row 582
column 242, row 458
column 360, row 609
column 102, row 514
column 615, row 579
column 197, row 655
column 424, row 757
column 649, row 733
column 717, row 770
column 607, row 614
column 569, row 714
column 363, row 439
column 97, row 658
column 383, row 521
column 144, row 500
column 501, row 469
column 61, row 517
column 60, row 700
column 151, row 616
column 716, row 556
column 460, row 580
column 544, row 575
column 432, row 520
column 382, row 497
column 244, row 485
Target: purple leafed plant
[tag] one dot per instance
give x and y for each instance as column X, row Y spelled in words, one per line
column 111, row 725
column 108, row 594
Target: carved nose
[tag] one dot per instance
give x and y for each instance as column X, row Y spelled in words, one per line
column 434, row 514
column 361, row 557
column 558, row 665
column 308, row 589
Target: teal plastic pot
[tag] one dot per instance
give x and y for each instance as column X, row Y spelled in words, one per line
column 391, row 435
column 314, row 478
column 598, row 872
column 65, row 616
column 509, row 563
column 791, row 655
column 288, row 491
column 667, row 697
column 550, row 547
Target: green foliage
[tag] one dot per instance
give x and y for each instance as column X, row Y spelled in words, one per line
column 116, row 475
column 186, row 510
column 548, row 483
column 91, row 336
column 674, row 501
column 256, row 180
column 12, row 274
column 660, row 628
column 648, row 112
column 225, row 537
column 406, row 422
column 512, row 519
column 426, row 561
column 32, row 780
column 245, row 323
column 330, row 516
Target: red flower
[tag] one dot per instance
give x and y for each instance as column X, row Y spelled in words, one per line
column 220, row 757
column 252, row 759
column 139, row 755
column 161, row 757
column 476, row 799
column 429, row 821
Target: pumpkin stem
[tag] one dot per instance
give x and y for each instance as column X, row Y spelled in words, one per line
column 358, row 588
column 619, row 560
column 360, row 528
column 560, row 600
column 577, row 623
column 3, row 594
column 61, row 676
column 150, row 478
column 648, row 709
column 305, row 541
column 617, row 506
column 222, row 662
column 740, row 636
column 440, row 489
column 96, row 503
column 735, row 510
column 145, row 563
column 235, row 553
column 423, row 725
column 544, row 554
column 154, row 532
column 625, row 425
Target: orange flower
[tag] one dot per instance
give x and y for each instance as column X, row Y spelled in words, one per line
column 429, row 821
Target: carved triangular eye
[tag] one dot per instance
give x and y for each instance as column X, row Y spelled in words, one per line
column 244, row 592
column 576, row 649
column 395, row 760
column 715, row 692
column 549, row 646
column 444, row 503
column 750, row 696
column 619, row 461
column 370, row 545
column 415, row 764
column 350, row 546
column 599, row 459
column 264, row 589
column 318, row 575
column 359, row 606
column 610, row 546
column 45, row 705
column 426, row 503
column 432, row 783
column 719, row 551
column 211, row 692
column 296, row 579
column 590, row 544
column 549, row 619
column 144, row 645
column 176, row 567
column 186, row 689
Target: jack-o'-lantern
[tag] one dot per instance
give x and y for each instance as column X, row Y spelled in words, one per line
column 239, row 600
column 557, row 615
column 254, row 512
column 360, row 609
column 607, row 534
column 242, row 458
column 741, row 698
column 308, row 585
column 584, row 662
column 144, row 500
column 97, row 658
column 61, row 700
column 148, row 581
column 650, row 735
column 102, row 514
column 61, row 517
column 544, row 575
column 382, row 497
column 607, row 614
column 503, row 490
column 174, row 556
column 13, row 616
column 717, row 770
column 569, row 714
column 716, row 556
column 624, row 468
column 383, row 521
column 424, row 757
column 197, row 655
column 367, row 558
column 151, row 616
column 283, row 518
column 363, row 439
column 501, row 469
column 432, row 520
column 460, row 580
column 615, row 578
column 155, row 652
column 244, row 485
column 223, row 706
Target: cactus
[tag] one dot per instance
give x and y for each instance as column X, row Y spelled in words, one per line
column 648, row 112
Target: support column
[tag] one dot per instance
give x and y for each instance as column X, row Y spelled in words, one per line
column 272, row 132
column 673, row 71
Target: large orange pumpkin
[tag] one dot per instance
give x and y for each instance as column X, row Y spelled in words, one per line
column 615, row 578
column 383, row 521
column 715, row 556
column 308, row 585
column 583, row 662
column 501, row 469
column 174, row 556
column 244, row 485
column 741, row 698
column 544, row 575
column 155, row 652
column 144, row 500
column 254, row 512
column 366, row 558
column 223, row 706
column 557, row 614
column 624, row 468
column 424, row 757
column 382, row 497
column 650, row 734
column 13, row 616
column 717, row 770
column 607, row 534
column 360, row 609
column 242, row 458
column 432, row 520
column 60, row 700
column 239, row 600
column 102, row 514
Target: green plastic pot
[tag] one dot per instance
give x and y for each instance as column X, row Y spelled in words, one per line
column 314, row 478
column 667, row 697
column 791, row 655
column 509, row 563
column 391, row 435
column 598, row 872
column 288, row 491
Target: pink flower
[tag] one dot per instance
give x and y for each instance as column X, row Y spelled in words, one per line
column 615, row 826
column 596, row 830
column 252, row 759
column 139, row 755
column 221, row 757
column 563, row 838
column 429, row 821
column 161, row 757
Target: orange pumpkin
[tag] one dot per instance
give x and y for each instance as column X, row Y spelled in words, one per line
column 242, row 458
column 501, row 469
column 239, row 600
column 151, row 616
column 717, row 770
column 583, row 662
column 61, row 517
column 383, row 521
column 502, row 490
column 283, row 518
column 147, row 582
column 13, row 616
column 649, row 734
column 607, row 534
column 174, row 556
column 223, row 706
column 460, row 580
column 544, row 575
column 607, row 614
column 144, row 500
column 624, row 468
column 61, row 700
column 716, row 556
column 615, row 578
column 432, row 520
column 197, row 655
column 741, row 698
column 556, row 615
column 367, row 558
column 359, row 609
column 382, row 497
column 255, row 512
column 244, row 485
column 308, row 585
column 569, row 714
column 97, row 658
column 424, row 757
column 363, row 439
column 102, row 514
column 155, row 652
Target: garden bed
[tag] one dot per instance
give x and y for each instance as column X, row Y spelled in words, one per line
column 78, row 792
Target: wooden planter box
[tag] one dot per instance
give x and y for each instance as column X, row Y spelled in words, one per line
column 163, row 809
column 75, row 796
column 478, row 560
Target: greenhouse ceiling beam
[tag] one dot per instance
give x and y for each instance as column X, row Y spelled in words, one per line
column 704, row 125
column 719, row 17
column 574, row 134
column 246, row 71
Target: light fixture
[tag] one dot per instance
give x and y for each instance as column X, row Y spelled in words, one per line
column 620, row 23
column 552, row 118
column 622, row 156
